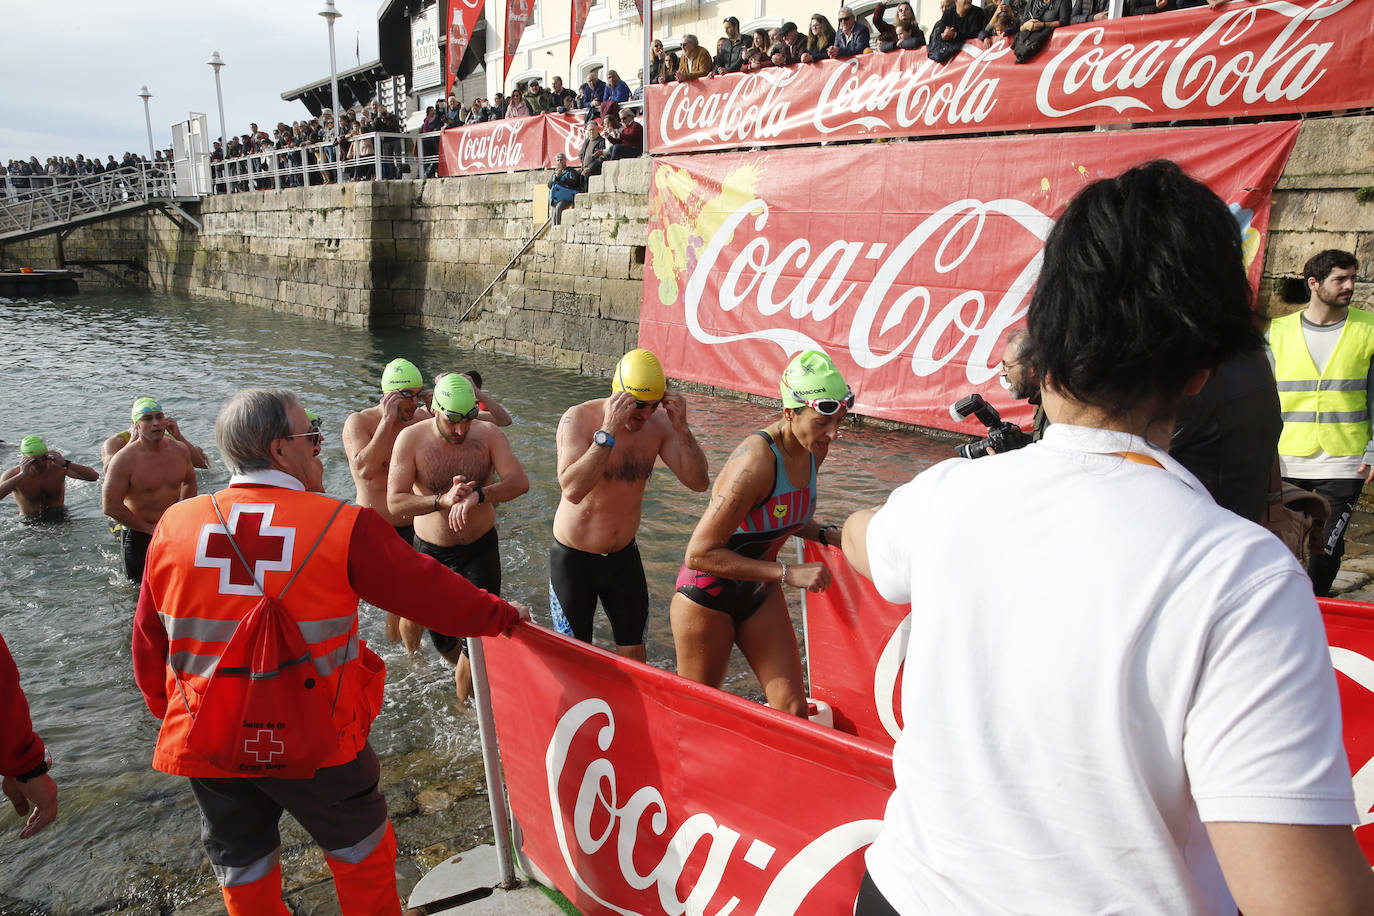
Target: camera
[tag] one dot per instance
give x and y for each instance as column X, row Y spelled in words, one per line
column 1003, row 435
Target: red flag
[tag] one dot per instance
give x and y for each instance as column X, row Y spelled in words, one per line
column 518, row 15
column 580, row 8
column 462, row 19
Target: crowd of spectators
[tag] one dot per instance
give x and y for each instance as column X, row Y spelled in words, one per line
column 23, row 177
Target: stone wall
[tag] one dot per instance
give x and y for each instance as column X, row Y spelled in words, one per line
column 420, row 253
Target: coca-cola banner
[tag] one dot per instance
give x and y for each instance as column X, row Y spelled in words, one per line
column 855, row 647
column 462, row 19
column 908, row 262
column 1241, row 59
column 510, row 145
column 638, row 792
column 518, row 16
column 1350, row 631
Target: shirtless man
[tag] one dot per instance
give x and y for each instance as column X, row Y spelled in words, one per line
column 143, row 479
column 125, row 436
column 39, row 481
column 441, row 476
column 369, row 436
column 606, row 450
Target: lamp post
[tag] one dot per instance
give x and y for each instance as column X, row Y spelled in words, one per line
column 216, row 63
column 145, row 95
column 331, row 14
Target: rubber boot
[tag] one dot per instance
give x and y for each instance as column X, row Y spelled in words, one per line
column 258, row 898
column 368, row 888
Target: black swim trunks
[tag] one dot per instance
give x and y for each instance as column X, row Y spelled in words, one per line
column 135, row 553
column 577, row 579
column 478, row 562
column 407, row 533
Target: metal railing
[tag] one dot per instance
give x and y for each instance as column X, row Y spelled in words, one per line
column 33, row 202
column 369, row 156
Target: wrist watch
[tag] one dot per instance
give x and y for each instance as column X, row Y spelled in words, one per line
column 603, row 438
column 66, row 463
column 481, row 494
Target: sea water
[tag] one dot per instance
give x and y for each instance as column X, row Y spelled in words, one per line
column 128, row 837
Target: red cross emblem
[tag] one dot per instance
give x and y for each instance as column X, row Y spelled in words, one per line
column 264, row 747
column 265, row 546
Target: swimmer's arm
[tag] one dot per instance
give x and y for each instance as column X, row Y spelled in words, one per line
column 854, row 541
column 188, row 483
column 744, row 482
column 197, row 453
column 581, row 462
column 113, row 493
column 681, row 451
column 81, row 472
column 150, row 654
column 492, row 411
column 401, row 499
column 512, row 480
column 10, row 481
column 370, row 455
column 110, row 449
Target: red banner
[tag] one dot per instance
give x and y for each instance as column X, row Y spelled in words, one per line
column 518, row 16
column 1243, row 59
column 639, row 792
column 510, row 145
column 462, row 19
column 907, row 270
column 580, row 8
column 1350, row 631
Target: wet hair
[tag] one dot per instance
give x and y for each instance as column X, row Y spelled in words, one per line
column 1320, row 265
column 248, row 424
column 474, row 376
column 1143, row 285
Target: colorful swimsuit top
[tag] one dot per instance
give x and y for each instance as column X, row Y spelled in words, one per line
column 785, row 510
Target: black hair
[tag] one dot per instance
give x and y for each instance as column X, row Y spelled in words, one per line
column 475, row 377
column 1143, row 284
column 1320, row 265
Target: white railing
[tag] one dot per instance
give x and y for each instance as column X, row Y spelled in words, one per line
column 369, row 156
column 30, row 202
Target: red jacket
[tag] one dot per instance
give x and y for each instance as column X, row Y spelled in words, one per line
column 195, row 591
column 20, row 749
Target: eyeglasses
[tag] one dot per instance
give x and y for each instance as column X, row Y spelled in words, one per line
column 454, row 416
column 314, row 435
column 828, row 406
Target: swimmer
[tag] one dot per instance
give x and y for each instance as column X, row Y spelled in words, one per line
column 729, row 590
column 369, row 436
column 607, row 448
column 125, row 436
column 317, row 439
column 39, row 481
column 143, row 479
column 441, row 476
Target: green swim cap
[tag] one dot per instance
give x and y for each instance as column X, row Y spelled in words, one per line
column 142, row 407
column 640, row 373
column 313, row 417
column 812, row 376
column 401, row 373
column 33, row 447
column 454, row 397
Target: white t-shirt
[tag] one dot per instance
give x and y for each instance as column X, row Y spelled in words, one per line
column 1100, row 660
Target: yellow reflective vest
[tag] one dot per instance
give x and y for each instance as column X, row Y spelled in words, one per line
column 1327, row 410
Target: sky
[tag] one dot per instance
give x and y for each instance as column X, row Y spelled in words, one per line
column 72, row 70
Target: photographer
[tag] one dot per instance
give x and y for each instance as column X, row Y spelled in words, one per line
column 1019, row 378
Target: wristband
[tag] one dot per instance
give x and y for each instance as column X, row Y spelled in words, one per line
column 436, row 502
column 38, row 770
column 481, row 495
column 783, row 578
column 66, row 463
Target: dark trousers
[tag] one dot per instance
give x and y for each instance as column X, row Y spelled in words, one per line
column 871, row 901
column 1340, row 494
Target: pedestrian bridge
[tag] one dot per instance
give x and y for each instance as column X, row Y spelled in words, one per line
column 40, row 205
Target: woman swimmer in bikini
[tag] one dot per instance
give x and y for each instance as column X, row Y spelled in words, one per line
column 729, row 590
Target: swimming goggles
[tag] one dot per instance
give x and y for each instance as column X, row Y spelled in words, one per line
column 409, row 394
column 652, row 405
column 454, row 416
column 827, row 406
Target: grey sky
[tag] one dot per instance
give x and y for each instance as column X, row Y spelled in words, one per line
column 71, row 70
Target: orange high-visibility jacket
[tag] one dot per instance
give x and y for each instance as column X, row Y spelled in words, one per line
column 202, row 591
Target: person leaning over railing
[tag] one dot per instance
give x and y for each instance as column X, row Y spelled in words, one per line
column 888, row 37
column 818, row 42
column 695, row 60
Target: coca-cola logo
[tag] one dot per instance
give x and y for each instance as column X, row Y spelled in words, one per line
column 497, row 148
column 607, row 833
column 1360, row 669
column 858, row 277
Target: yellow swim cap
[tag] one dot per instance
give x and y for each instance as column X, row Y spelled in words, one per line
column 639, row 373
column 143, row 407
column 399, row 374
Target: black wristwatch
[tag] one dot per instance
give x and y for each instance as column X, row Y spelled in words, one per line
column 38, row 770
column 481, row 494
column 66, row 463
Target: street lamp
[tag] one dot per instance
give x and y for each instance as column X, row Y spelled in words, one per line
column 216, row 63
column 330, row 14
column 145, row 95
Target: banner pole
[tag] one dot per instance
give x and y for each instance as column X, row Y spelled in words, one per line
column 491, row 762
column 645, row 82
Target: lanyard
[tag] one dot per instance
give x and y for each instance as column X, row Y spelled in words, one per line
column 1138, row 458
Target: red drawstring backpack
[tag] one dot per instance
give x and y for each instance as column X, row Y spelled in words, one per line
column 264, row 712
